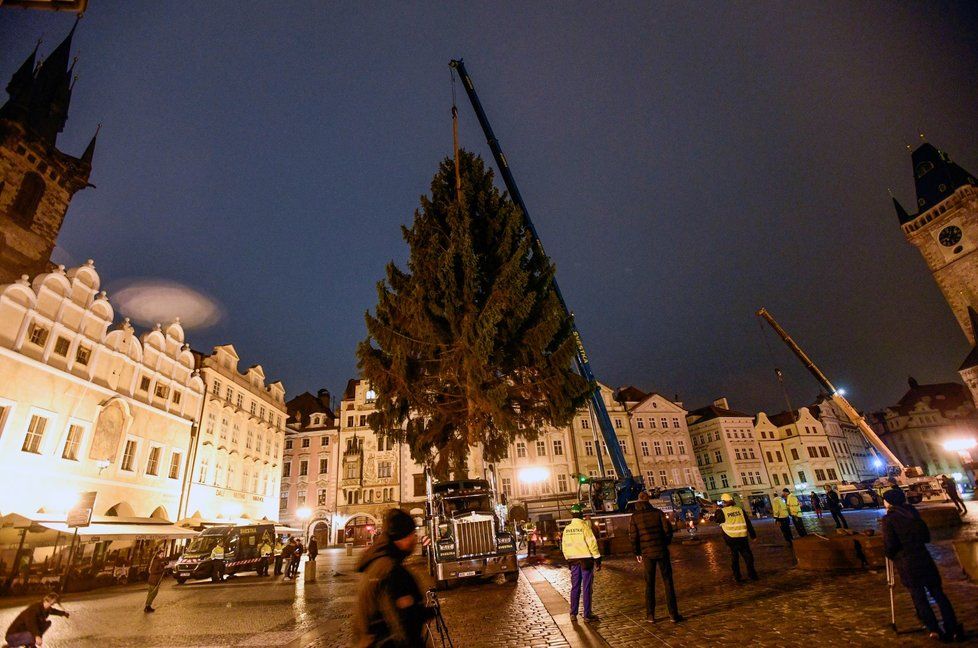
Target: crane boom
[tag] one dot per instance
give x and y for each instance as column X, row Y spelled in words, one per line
column 627, row 481
column 834, row 394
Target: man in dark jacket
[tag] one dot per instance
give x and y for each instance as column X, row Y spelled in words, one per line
column 905, row 538
column 295, row 559
column 31, row 624
column 313, row 548
column 737, row 533
column 156, row 567
column 390, row 609
column 951, row 488
column 651, row 533
column 835, row 507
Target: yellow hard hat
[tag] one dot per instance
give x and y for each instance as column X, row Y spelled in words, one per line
column 727, row 497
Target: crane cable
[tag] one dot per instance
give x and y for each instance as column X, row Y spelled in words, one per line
column 777, row 370
column 458, row 175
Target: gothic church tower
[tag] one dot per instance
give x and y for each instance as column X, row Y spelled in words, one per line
column 37, row 181
column 945, row 230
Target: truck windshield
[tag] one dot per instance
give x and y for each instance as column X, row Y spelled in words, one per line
column 456, row 506
column 203, row 544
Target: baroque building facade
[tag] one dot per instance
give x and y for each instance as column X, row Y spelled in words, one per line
column 238, row 456
column 86, row 405
column 37, row 180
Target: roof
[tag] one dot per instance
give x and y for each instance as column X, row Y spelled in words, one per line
column 631, row 394
column 351, row 389
column 308, row 404
column 936, row 178
column 711, row 412
column 943, row 397
column 784, row 418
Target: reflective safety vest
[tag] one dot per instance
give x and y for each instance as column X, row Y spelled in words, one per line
column 578, row 540
column 793, row 506
column 734, row 523
column 778, row 508
column 217, row 553
column 266, row 549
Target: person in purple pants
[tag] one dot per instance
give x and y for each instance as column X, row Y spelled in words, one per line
column 580, row 549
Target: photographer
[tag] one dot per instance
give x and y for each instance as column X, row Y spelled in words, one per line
column 390, row 605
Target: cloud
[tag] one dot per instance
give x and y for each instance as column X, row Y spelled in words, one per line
column 148, row 301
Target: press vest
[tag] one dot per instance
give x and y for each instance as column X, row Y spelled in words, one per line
column 778, row 508
column 734, row 523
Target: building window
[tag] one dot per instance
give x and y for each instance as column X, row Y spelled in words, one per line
column 129, row 455
column 82, row 355
column 777, row 453
column 689, row 477
column 737, row 453
column 618, row 423
column 777, row 482
column 75, row 433
column 384, row 470
column 420, row 487
column 323, row 465
column 321, row 497
column 144, row 383
column 175, row 465
column 819, row 474
column 230, row 482
column 562, row 483
column 585, row 424
column 832, row 474
column 349, row 421
column 812, row 452
column 303, row 468
column 176, row 397
column 216, row 388
column 640, row 423
column 649, row 478
column 324, row 441
column 301, row 497
column 713, row 483
column 717, row 456
column 520, row 449
column 28, row 198
column 663, row 480
column 363, row 420
column 664, row 422
column 234, row 434
column 669, row 449
column 61, row 346
column 657, row 448
column 624, row 448
column 823, row 451
column 645, row 448
column 723, row 481
column 508, row 486
column 202, row 472
column 801, row 476
column 675, row 423
column 589, row 448
column 558, row 448
column 770, row 459
column 350, row 470
column 35, row 434
column 153, row 463
column 228, row 394
column 305, row 442
column 288, row 444
column 287, row 469
column 541, row 448
column 162, row 391
column 682, row 447
column 794, row 454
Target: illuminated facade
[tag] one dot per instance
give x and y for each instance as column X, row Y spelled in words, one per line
column 727, row 452
column 798, row 454
column 86, row 405
column 237, row 464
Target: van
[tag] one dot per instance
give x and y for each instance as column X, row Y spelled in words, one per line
column 242, row 552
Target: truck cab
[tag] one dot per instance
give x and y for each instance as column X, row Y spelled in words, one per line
column 468, row 537
column 242, row 552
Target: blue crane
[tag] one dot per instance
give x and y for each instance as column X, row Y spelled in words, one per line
column 627, row 486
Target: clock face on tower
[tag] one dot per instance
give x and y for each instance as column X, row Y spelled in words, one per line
column 950, row 236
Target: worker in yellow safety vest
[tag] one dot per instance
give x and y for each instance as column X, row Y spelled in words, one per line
column 217, row 562
column 737, row 532
column 794, row 510
column 580, row 549
column 278, row 555
column 265, row 551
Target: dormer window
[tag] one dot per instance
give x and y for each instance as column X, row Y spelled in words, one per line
column 371, row 395
column 923, row 168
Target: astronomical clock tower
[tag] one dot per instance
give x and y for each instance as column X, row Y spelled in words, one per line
column 945, row 230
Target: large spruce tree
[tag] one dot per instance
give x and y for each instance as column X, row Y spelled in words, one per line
column 470, row 344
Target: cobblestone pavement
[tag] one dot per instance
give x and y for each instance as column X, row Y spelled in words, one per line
column 787, row 607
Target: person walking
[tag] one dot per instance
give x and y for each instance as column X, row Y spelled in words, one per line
column 835, row 507
column 580, row 549
column 390, row 609
column 651, row 533
column 313, row 548
column 951, row 488
column 531, row 544
column 905, row 538
column 779, row 509
column 817, row 505
column 794, row 510
column 156, row 567
column 737, row 533
column 28, row 628
column 297, row 551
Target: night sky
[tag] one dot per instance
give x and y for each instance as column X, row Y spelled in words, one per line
column 684, row 163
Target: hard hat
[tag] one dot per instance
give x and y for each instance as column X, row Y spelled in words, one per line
column 576, row 508
column 727, row 497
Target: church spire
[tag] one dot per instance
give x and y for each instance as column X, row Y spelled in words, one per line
column 936, row 177
column 901, row 212
column 89, row 153
column 20, row 86
column 51, row 92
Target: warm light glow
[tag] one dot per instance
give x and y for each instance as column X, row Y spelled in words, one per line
column 533, row 474
column 304, row 513
column 959, row 445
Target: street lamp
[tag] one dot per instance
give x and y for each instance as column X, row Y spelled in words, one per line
column 964, row 447
column 533, row 474
column 303, row 513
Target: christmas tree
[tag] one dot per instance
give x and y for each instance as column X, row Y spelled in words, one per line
column 470, row 344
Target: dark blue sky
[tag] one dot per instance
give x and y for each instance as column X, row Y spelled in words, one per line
column 685, row 164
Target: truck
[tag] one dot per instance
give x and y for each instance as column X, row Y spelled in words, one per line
column 467, row 533
column 910, row 479
column 242, row 552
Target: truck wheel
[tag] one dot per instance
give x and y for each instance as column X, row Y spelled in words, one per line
column 513, row 576
column 180, row 580
column 853, row 501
